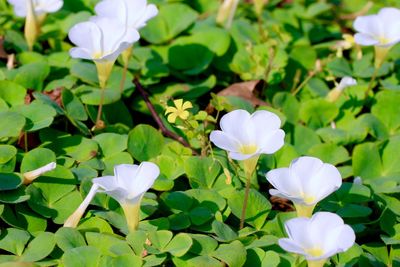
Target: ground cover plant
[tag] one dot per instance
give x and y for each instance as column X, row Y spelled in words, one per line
column 199, row 133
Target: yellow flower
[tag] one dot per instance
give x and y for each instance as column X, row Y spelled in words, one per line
column 180, row 110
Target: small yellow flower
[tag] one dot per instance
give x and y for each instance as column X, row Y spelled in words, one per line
column 180, row 110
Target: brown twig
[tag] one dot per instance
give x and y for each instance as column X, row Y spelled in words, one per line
column 157, row 118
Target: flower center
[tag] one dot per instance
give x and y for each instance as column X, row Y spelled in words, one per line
column 248, row 149
column 309, row 199
column 315, row 252
column 383, row 40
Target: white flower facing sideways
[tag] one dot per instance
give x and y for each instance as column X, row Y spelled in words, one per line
column 382, row 29
column 307, row 181
column 40, row 7
column 30, row 176
column 345, row 82
column 132, row 13
column 128, row 185
column 35, row 12
column 317, row 238
column 245, row 136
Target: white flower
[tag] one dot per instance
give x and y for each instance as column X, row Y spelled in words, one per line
column 382, row 29
column 319, row 237
column 307, row 181
column 100, row 39
column 32, row 175
column 346, row 82
column 40, row 7
column 132, row 13
column 129, row 182
column 245, row 136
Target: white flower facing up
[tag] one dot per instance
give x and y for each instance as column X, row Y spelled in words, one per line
column 128, row 186
column 132, row 13
column 307, row 181
column 317, row 238
column 40, row 7
column 345, row 82
column 245, row 136
column 382, row 29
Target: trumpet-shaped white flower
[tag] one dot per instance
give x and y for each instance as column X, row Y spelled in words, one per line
column 40, row 7
column 382, row 29
column 317, row 238
column 345, row 82
column 100, row 39
column 132, row 13
column 245, row 136
column 129, row 182
column 128, row 186
column 32, row 175
column 307, row 181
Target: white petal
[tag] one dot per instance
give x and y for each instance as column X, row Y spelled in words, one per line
column 235, row 123
column 224, row 141
column 284, row 182
column 290, row 246
column 240, row 156
column 113, row 9
column 125, row 174
column 346, row 82
column 144, row 179
column 305, row 168
column 77, row 52
column 321, row 224
column 52, row 6
column 151, row 11
column 299, row 230
column 107, row 183
column 86, row 35
column 272, row 143
column 365, row 39
column 324, row 182
column 370, row 25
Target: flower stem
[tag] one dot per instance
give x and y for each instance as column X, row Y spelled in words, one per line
column 319, row 263
column 304, row 210
column 125, row 59
column 103, row 73
column 31, row 29
column 249, row 167
column 131, row 212
column 380, row 55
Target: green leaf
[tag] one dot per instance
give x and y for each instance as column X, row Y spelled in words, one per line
column 202, row 171
column 223, row 231
column 92, row 95
column 330, row 153
column 166, row 25
column 81, row 257
column 12, row 93
column 387, row 109
column 233, row 254
column 79, row 148
column 69, row 238
column 41, row 246
column 11, row 124
column 366, row 161
column 318, row 112
column 32, row 75
column 37, row 158
column 257, row 210
column 9, row 181
column 179, row 245
column 14, row 240
column 145, row 142
column 111, row 143
column 37, row 115
column 73, row 106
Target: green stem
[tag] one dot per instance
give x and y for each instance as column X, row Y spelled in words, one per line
column 304, row 211
column 249, row 167
column 103, row 72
